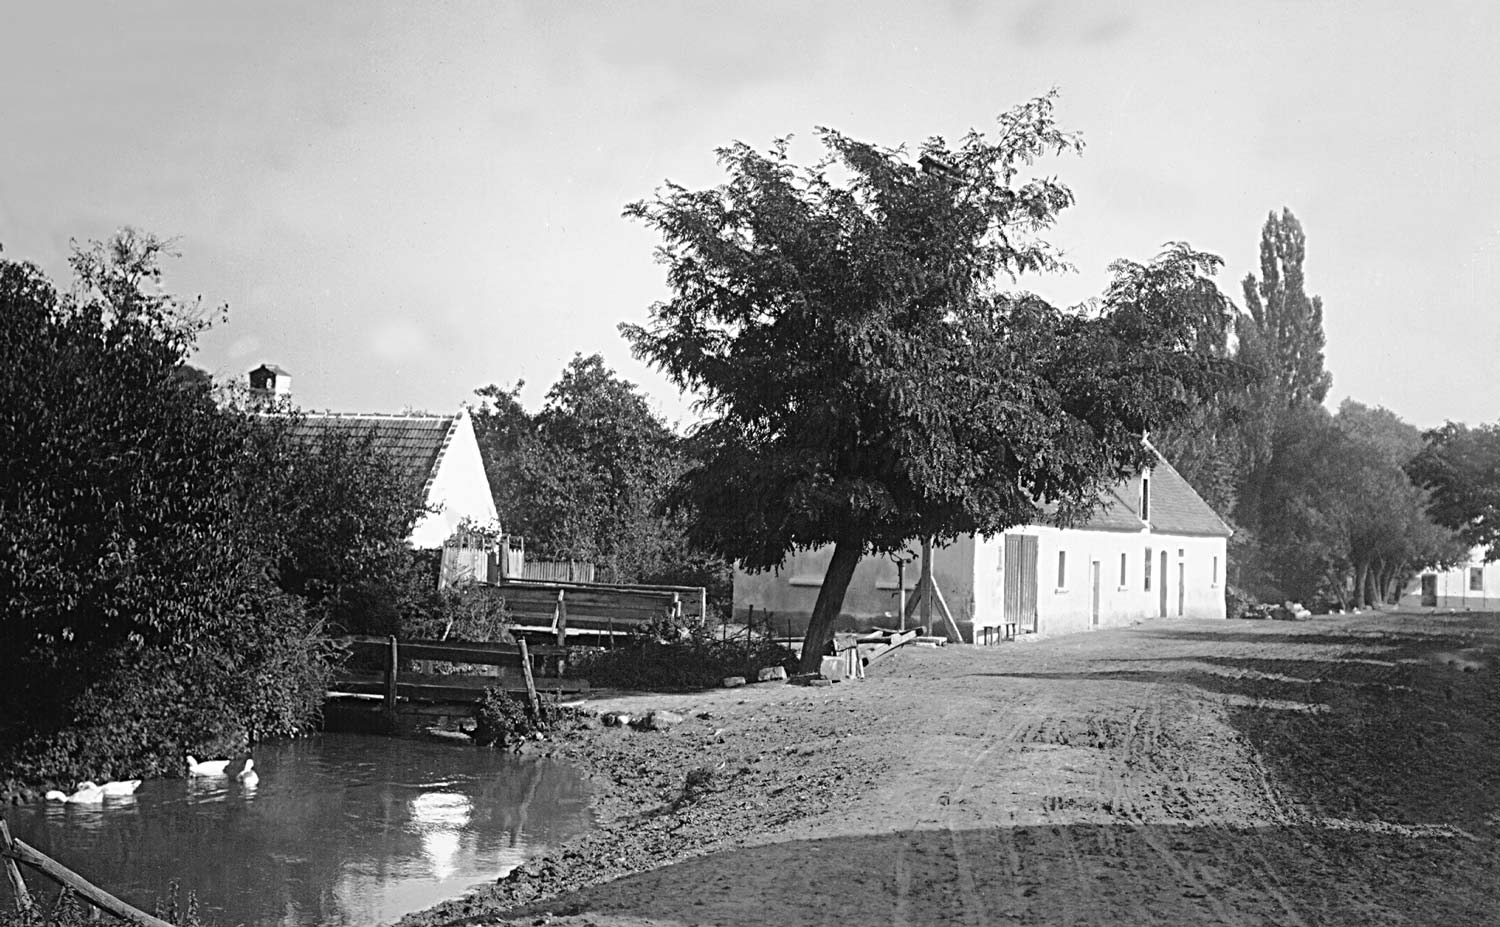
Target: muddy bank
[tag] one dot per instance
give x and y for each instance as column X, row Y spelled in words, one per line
column 1335, row 771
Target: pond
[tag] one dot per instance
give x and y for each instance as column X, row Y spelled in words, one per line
column 342, row 829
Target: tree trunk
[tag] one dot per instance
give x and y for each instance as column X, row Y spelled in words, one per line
column 846, row 555
column 1361, row 568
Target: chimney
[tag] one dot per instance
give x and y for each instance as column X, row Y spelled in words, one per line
column 271, row 381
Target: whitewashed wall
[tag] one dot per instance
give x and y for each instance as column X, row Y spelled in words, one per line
column 460, row 490
column 1194, row 564
column 1455, row 587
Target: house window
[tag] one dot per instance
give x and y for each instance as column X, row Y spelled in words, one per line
column 1148, row 569
column 1122, row 571
column 1216, row 571
column 1476, row 579
column 1145, row 497
column 1062, row 569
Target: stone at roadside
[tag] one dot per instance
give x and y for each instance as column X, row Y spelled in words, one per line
column 810, row 679
column 615, row 719
column 733, row 682
column 772, row 674
column 657, row 720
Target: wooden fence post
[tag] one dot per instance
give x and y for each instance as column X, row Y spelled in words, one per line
column 562, row 618
column 536, row 707
column 16, row 850
column 392, row 665
column 12, row 871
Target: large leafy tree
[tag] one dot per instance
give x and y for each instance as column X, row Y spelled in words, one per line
column 585, row 478
column 1460, row 466
column 1391, row 535
column 137, row 611
column 866, row 381
column 1338, row 515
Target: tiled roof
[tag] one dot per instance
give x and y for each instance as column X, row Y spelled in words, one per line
column 415, row 443
column 1175, row 507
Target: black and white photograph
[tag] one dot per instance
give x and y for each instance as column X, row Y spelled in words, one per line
column 659, row 463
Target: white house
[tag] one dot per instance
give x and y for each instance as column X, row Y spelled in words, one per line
column 438, row 450
column 1154, row 550
column 1474, row 586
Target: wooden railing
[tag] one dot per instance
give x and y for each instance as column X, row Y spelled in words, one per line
column 593, row 609
column 14, row 851
column 537, row 669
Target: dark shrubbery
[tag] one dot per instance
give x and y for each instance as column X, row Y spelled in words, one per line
column 160, row 593
column 671, row 658
column 1237, row 602
column 505, row 720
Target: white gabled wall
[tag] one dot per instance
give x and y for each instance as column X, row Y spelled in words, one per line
column 460, row 490
column 1456, row 588
column 1194, row 564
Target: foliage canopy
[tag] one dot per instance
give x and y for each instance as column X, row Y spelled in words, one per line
column 865, row 378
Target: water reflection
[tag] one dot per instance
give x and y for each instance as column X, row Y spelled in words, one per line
column 341, row 830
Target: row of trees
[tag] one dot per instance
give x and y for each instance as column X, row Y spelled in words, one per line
column 168, row 563
column 1328, row 506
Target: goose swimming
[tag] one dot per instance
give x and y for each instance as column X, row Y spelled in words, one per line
column 207, row 767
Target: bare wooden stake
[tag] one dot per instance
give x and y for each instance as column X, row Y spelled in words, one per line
column 392, row 665
column 12, row 871
column 92, row 893
column 536, row 705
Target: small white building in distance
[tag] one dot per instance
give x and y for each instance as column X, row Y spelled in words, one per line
column 1472, row 587
column 439, row 451
column 1153, row 550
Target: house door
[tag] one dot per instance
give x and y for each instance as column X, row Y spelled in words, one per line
column 1181, row 587
column 1020, row 581
column 1429, row 590
column 1163, row 574
column 1094, row 605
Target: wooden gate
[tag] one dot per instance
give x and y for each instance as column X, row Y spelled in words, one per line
column 1020, row 581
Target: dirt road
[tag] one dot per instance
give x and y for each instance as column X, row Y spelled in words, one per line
column 1338, row 771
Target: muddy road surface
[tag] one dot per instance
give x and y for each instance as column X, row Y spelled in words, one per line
column 1343, row 770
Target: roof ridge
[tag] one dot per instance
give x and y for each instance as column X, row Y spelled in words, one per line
column 389, row 416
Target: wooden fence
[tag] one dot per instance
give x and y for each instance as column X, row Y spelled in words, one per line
column 597, row 610
column 532, row 670
column 562, row 571
column 14, row 851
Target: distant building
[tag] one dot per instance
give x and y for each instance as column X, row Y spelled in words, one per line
column 1474, row 586
column 1154, row 550
column 439, row 451
column 271, row 381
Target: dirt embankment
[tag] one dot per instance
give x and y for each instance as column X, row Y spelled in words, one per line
column 1338, row 771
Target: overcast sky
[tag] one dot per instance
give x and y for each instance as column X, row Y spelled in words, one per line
column 402, row 202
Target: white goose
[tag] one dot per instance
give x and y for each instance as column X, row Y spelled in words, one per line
column 207, row 767
column 121, row 787
column 88, row 793
column 248, row 777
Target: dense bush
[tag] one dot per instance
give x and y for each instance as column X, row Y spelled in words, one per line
column 150, row 599
column 668, row 658
column 1237, row 602
column 505, row 720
